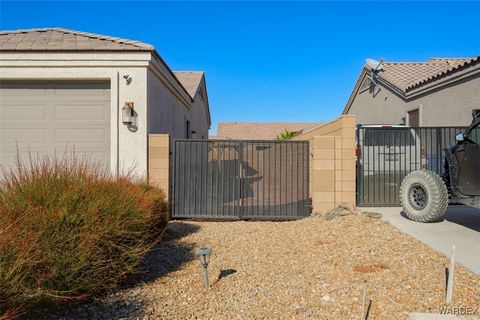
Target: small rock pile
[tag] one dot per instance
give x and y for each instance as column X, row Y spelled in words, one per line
column 344, row 210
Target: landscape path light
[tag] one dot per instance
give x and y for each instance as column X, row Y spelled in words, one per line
column 204, row 255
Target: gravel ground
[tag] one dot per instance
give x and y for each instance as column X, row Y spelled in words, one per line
column 313, row 268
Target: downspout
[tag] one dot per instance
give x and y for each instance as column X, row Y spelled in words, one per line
column 117, row 171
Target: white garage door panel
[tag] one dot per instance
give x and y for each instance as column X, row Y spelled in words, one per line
column 50, row 118
column 22, row 112
column 92, row 90
column 22, row 135
column 90, row 136
column 28, row 92
column 73, row 112
column 8, row 159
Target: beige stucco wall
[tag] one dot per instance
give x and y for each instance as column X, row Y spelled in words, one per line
column 132, row 150
column 159, row 169
column 332, row 163
column 199, row 118
column 152, row 86
column 450, row 104
column 167, row 114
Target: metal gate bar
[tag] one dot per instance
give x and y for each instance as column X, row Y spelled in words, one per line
column 385, row 155
column 236, row 179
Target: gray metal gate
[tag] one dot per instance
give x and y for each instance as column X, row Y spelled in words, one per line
column 385, row 155
column 236, row 179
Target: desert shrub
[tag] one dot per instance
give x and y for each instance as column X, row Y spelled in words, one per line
column 69, row 230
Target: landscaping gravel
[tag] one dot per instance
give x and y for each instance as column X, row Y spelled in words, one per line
column 315, row 268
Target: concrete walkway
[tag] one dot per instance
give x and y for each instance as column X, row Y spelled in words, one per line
column 460, row 227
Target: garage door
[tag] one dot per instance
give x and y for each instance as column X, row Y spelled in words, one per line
column 54, row 117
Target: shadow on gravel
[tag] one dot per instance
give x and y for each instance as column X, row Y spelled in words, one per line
column 177, row 230
column 225, row 273
column 167, row 256
column 113, row 308
column 127, row 303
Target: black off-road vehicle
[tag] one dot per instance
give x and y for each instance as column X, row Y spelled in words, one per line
column 425, row 195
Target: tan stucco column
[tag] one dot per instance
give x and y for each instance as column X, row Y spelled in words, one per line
column 159, row 162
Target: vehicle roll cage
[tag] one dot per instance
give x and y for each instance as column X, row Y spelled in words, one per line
column 475, row 122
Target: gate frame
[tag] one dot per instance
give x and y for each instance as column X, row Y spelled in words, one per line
column 332, row 161
column 241, row 214
column 437, row 132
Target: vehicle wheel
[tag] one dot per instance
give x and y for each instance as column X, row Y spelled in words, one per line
column 424, row 196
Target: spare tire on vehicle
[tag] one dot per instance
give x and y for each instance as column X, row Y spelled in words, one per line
column 424, row 196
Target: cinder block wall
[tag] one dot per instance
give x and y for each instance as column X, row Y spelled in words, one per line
column 159, row 162
column 332, row 163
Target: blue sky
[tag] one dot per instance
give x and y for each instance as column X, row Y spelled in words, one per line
column 271, row 61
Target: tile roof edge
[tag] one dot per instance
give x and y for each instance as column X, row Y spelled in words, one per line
column 403, row 91
column 404, row 62
column 465, row 64
column 430, row 60
column 24, row 30
column 135, row 46
column 455, row 58
column 139, row 44
column 131, row 42
column 196, row 72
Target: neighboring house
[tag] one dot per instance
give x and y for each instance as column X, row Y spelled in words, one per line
column 257, row 130
column 66, row 89
column 439, row 92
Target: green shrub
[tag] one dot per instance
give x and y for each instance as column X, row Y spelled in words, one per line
column 285, row 136
column 69, row 230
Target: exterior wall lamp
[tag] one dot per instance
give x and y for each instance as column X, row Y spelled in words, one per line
column 128, row 114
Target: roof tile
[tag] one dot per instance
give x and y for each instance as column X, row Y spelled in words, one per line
column 48, row 39
column 258, row 130
column 190, row 80
column 57, row 39
column 409, row 75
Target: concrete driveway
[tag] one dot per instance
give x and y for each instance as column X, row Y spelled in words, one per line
column 460, row 227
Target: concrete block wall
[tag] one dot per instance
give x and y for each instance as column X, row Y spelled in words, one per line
column 159, row 172
column 332, row 163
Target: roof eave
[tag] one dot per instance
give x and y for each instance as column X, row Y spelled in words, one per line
column 207, row 104
column 465, row 65
column 445, row 80
column 391, row 86
column 74, row 50
column 419, row 90
column 204, row 84
column 155, row 53
column 355, row 90
column 135, row 44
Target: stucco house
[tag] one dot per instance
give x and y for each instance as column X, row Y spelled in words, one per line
column 100, row 95
column 438, row 92
column 257, row 130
